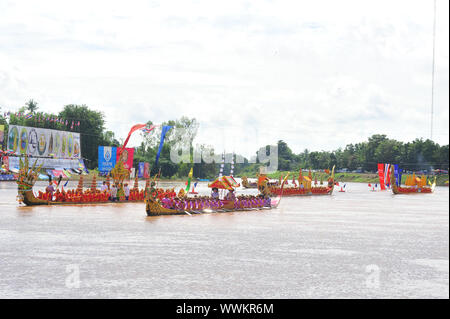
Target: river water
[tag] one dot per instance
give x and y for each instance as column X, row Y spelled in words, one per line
column 353, row 244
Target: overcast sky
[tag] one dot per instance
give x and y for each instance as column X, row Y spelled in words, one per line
column 317, row 74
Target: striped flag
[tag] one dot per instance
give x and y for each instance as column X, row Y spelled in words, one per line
column 188, row 185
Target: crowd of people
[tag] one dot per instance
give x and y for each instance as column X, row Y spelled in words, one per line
column 214, row 202
column 113, row 193
column 167, row 197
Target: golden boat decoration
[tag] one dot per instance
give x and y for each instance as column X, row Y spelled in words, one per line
column 306, row 186
column 28, row 176
column 413, row 184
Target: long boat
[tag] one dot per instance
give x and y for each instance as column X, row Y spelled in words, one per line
column 154, row 207
column 418, row 185
column 247, row 184
column 28, row 176
column 306, row 188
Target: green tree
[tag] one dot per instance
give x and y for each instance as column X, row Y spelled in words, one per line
column 92, row 126
column 31, row 105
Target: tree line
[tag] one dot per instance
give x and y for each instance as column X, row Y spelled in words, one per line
column 415, row 155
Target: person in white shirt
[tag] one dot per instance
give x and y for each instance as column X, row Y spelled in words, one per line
column 126, row 190
column 113, row 196
column 104, row 187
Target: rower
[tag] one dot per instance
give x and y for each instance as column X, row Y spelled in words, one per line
column 230, row 196
column 49, row 190
column 215, row 193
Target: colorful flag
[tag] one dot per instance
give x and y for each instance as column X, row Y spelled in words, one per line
column 148, row 129
column 165, row 129
column 133, row 128
column 381, row 175
column 188, row 186
column 387, row 175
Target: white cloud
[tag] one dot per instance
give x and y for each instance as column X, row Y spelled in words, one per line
column 317, row 74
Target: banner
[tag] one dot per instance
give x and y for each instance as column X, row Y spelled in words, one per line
column 107, row 156
column 5, row 161
column 141, row 169
column 398, row 175
column 134, row 128
column 188, row 184
column 127, row 157
column 381, row 175
column 51, row 163
column 165, row 129
column 41, row 142
column 387, row 174
column 2, row 135
column 147, row 170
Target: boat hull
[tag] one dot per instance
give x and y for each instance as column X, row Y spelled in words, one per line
column 300, row 192
column 28, row 198
column 399, row 190
column 154, row 208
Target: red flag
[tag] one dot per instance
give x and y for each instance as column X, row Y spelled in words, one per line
column 381, row 175
column 134, row 128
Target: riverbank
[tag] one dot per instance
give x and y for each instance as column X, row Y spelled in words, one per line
column 352, row 177
column 340, row 177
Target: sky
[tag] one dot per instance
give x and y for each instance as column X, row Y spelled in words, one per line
column 316, row 74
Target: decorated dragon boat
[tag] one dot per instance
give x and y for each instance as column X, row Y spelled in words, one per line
column 28, row 177
column 307, row 186
column 413, row 184
column 214, row 204
column 247, row 184
column 120, row 174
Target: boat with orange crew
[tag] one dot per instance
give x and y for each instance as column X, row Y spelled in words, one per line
column 413, row 184
column 306, row 186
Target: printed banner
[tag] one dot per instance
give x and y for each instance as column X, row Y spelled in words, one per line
column 41, row 142
column 6, row 162
column 381, row 175
column 141, row 169
column 52, row 163
column 127, row 157
column 147, row 170
column 2, row 135
column 107, row 156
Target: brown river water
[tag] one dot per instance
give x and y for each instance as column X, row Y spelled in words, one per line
column 357, row 244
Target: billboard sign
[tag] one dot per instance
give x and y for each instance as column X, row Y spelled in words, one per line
column 41, row 142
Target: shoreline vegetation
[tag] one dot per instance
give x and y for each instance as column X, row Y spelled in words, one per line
column 339, row 177
column 416, row 155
